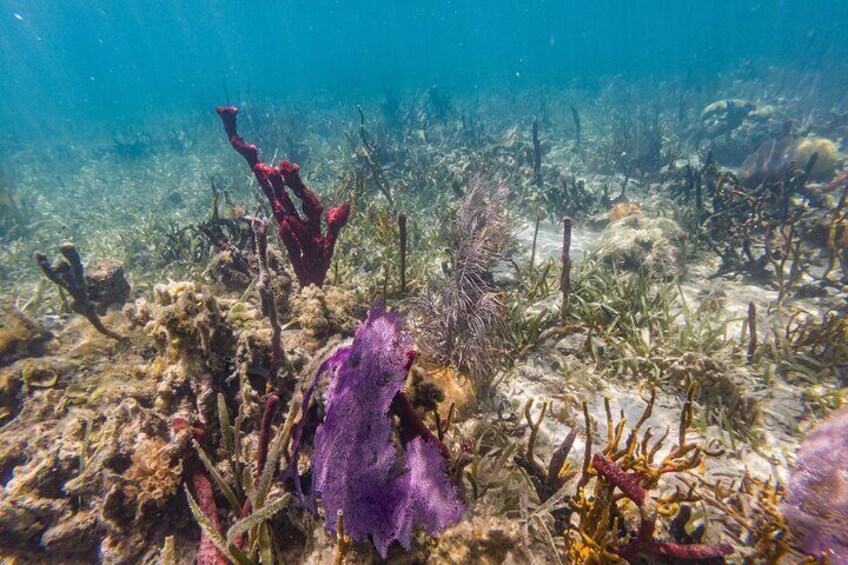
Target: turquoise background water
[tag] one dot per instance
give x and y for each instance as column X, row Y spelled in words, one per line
column 67, row 62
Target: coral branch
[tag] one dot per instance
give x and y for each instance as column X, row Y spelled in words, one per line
column 692, row 552
column 537, row 156
column 269, row 303
column 629, row 483
column 271, row 406
column 565, row 279
column 402, row 240
column 310, row 252
column 752, row 331
column 412, row 426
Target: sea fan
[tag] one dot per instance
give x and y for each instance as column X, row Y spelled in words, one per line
column 816, row 506
column 357, row 468
column 463, row 313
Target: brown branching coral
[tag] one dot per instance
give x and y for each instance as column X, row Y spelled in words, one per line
column 546, row 481
column 750, row 512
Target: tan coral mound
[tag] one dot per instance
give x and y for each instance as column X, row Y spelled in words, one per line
column 828, row 156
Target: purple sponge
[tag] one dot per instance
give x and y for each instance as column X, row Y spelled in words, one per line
column 816, row 505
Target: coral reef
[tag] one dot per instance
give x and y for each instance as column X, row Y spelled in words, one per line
column 696, row 310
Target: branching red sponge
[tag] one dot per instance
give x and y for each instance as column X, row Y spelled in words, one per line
column 644, row 543
column 309, row 250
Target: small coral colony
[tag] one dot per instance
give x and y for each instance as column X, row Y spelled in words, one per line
column 545, row 341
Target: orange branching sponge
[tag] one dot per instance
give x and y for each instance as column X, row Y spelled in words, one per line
column 631, row 469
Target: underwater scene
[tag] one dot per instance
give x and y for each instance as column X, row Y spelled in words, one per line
column 433, row 281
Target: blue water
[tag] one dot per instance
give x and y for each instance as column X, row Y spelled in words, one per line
column 69, row 62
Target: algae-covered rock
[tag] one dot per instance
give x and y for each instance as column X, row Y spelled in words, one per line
column 20, row 335
column 224, row 268
column 723, row 391
column 107, row 285
column 655, row 246
column 734, row 128
column 323, row 311
column 727, row 114
column 194, row 345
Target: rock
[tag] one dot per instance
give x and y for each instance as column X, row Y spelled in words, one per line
column 20, row 336
column 77, row 534
column 725, row 115
column 733, row 129
column 635, row 243
column 107, row 285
